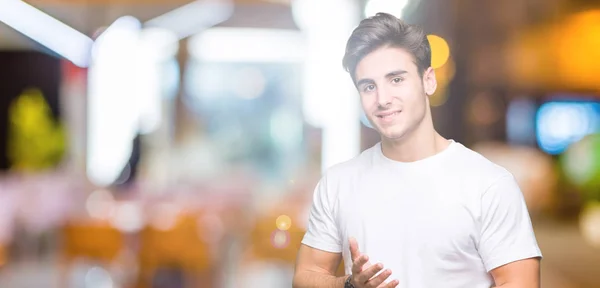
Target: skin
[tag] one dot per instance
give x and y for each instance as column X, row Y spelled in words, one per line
column 395, row 98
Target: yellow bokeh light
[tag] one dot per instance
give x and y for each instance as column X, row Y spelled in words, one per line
column 444, row 76
column 440, row 51
column 283, row 222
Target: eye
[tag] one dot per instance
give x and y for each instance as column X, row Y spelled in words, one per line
column 369, row 88
column 397, row 80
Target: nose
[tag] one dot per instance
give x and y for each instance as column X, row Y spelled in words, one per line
column 384, row 97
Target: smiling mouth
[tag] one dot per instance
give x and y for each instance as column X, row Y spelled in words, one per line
column 387, row 116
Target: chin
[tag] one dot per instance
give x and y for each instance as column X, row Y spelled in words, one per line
column 392, row 133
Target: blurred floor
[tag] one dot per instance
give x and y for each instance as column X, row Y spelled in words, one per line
column 566, row 257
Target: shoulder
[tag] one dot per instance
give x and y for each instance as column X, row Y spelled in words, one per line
column 353, row 167
column 340, row 177
column 477, row 169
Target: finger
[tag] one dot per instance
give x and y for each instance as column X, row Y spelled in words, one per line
column 354, row 252
column 364, row 276
column 391, row 284
column 377, row 280
column 358, row 264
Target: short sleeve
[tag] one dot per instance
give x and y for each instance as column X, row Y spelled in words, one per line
column 506, row 231
column 322, row 232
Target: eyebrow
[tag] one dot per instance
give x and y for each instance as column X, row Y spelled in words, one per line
column 388, row 75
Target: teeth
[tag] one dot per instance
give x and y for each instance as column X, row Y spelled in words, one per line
column 386, row 116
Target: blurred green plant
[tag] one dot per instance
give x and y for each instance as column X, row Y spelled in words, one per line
column 581, row 166
column 35, row 140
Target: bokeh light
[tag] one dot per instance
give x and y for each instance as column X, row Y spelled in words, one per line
column 165, row 216
column 98, row 277
column 581, row 163
column 283, row 222
column 100, row 204
column 589, row 223
column 440, row 51
column 280, row 239
column 561, row 123
column 128, row 217
column 444, row 76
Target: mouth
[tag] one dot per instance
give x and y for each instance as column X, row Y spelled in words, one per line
column 386, row 116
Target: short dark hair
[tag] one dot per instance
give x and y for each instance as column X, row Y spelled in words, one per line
column 384, row 30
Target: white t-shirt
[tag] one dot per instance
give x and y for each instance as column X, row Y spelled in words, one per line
column 444, row 221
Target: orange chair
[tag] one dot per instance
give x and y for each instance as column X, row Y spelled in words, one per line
column 94, row 240
column 269, row 243
column 179, row 247
column 3, row 256
column 97, row 241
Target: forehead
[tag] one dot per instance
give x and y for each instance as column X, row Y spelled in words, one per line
column 384, row 60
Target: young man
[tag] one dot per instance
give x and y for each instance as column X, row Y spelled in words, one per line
column 416, row 210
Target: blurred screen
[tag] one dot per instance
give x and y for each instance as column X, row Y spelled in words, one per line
column 560, row 123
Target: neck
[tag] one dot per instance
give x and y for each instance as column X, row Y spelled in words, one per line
column 418, row 144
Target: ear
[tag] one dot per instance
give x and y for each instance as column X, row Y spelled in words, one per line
column 429, row 81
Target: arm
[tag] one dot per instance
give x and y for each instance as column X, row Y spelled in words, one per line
column 507, row 245
column 518, row 274
column 316, row 269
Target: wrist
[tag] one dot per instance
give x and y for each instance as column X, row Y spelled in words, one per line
column 348, row 283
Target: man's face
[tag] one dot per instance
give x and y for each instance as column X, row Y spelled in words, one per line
column 393, row 94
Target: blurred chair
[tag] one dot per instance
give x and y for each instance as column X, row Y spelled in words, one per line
column 3, row 256
column 99, row 241
column 270, row 243
column 179, row 247
column 95, row 241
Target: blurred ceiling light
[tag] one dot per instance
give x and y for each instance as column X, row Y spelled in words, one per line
column 312, row 14
column 160, row 44
column 394, row 7
column 327, row 87
column 440, row 51
column 124, row 24
column 112, row 104
column 156, row 47
column 46, row 30
column 194, row 17
column 247, row 45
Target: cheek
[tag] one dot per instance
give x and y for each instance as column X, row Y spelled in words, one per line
column 416, row 97
column 368, row 103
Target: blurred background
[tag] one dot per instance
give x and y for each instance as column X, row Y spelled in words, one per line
column 169, row 143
